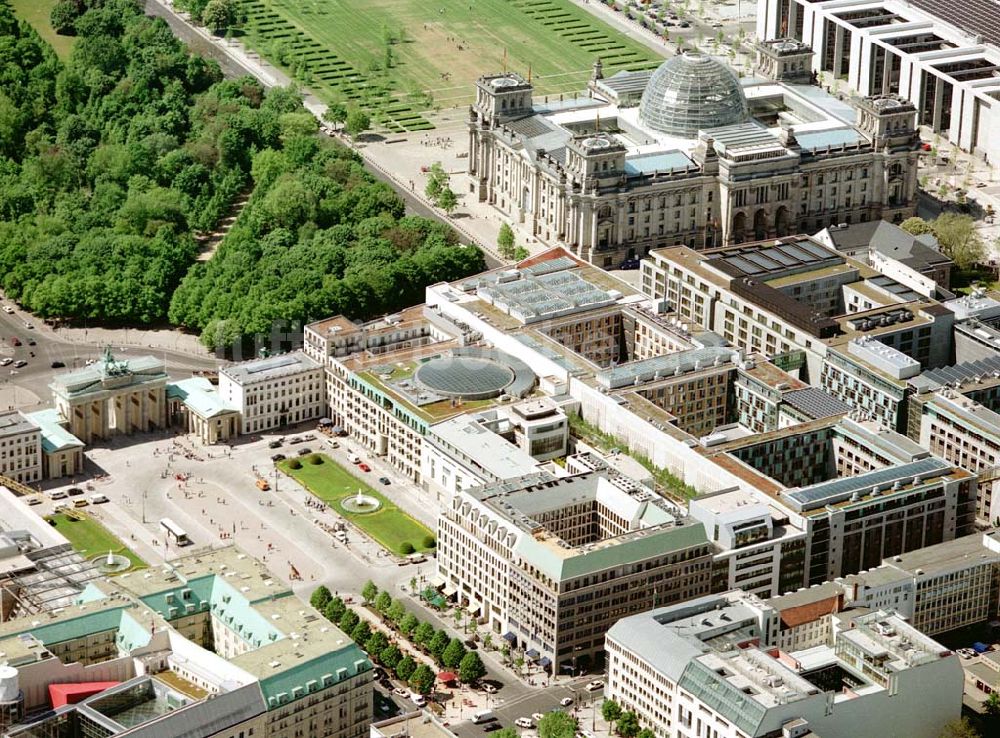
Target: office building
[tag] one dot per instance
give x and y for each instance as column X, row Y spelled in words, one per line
column 914, row 261
column 704, row 159
column 20, row 448
column 275, row 391
column 713, row 666
column 851, row 330
column 549, row 564
column 940, row 56
column 211, row 645
column 859, row 492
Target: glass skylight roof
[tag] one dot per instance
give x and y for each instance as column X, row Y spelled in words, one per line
column 692, row 92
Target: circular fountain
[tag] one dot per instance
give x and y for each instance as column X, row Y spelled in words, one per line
column 112, row 563
column 360, row 503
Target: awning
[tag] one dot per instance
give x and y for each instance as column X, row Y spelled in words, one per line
column 436, row 580
column 338, row 431
column 449, row 589
column 545, row 662
column 446, row 676
column 325, row 422
column 509, row 637
column 531, row 654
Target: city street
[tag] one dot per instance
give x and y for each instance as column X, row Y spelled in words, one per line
column 27, row 387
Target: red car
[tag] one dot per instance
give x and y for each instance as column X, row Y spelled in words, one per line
column 364, row 467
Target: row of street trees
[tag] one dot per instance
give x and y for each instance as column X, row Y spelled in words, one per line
column 448, row 652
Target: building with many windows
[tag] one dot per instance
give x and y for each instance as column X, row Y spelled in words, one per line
column 704, row 159
column 714, row 667
column 941, row 56
column 20, row 448
column 212, row 645
column 272, row 392
column 549, row 564
column 853, row 331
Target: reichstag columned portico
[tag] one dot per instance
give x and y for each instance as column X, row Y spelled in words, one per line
column 689, row 154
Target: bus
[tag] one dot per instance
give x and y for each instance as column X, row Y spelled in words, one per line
column 175, row 532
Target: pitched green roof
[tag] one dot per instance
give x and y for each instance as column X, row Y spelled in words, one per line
column 298, row 680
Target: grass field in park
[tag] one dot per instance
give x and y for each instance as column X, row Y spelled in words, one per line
column 438, row 49
column 90, row 538
column 36, row 12
column 331, row 483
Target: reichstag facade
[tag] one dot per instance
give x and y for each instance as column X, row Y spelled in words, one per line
column 690, row 154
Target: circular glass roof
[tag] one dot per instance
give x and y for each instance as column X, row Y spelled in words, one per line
column 460, row 376
column 692, row 92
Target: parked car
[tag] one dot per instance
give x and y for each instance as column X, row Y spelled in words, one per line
column 6, row 361
column 304, row 451
column 29, row 325
column 418, row 699
column 536, row 716
column 629, row 264
column 524, row 722
column 8, row 309
column 57, row 365
column 400, row 692
column 354, row 459
column 35, row 500
column 364, row 467
column 566, row 701
column 295, row 439
column 471, row 644
column 20, row 363
column 385, row 481
column 278, row 457
column 98, row 499
column 274, row 444
column 74, row 491
column 489, row 688
column 32, row 342
column 595, row 685
column 490, row 727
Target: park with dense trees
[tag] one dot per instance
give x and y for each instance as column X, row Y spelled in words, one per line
column 113, row 163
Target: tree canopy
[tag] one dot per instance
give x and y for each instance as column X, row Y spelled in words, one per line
column 112, row 163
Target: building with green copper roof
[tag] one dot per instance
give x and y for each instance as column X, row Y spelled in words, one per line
column 551, row 563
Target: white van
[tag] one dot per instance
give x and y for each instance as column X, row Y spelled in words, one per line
column 354, row 459
column 59, row 494
column 332, row 443
column 98, row 499
column 482, row 716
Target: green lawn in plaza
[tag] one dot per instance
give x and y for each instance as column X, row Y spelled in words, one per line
column 330, row 482
column 90, row 538
column 36, row 12
column 338, row 48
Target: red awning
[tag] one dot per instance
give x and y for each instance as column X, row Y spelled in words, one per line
column 70, row 694
column 447, row 676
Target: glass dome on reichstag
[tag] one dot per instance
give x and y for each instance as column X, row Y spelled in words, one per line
column 691, row 92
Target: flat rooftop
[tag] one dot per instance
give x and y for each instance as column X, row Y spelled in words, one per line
column 15, row 424
column 273, row 367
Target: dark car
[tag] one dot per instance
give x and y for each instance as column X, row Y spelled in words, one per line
column 74, row 491
column 384, row 480
column 278, row 457
column 305, row 451
column 57, row 365
column 629, row 264
column 471, row 645
column 274, row 444
column 490, row 727
column 15, row 341
column 32, row 342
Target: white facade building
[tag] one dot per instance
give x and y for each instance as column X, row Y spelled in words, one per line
column 942, row 56
column 273, row 392
column 712, row 667
column 20, row 448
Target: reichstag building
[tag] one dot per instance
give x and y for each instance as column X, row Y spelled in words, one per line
column 690, row 154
